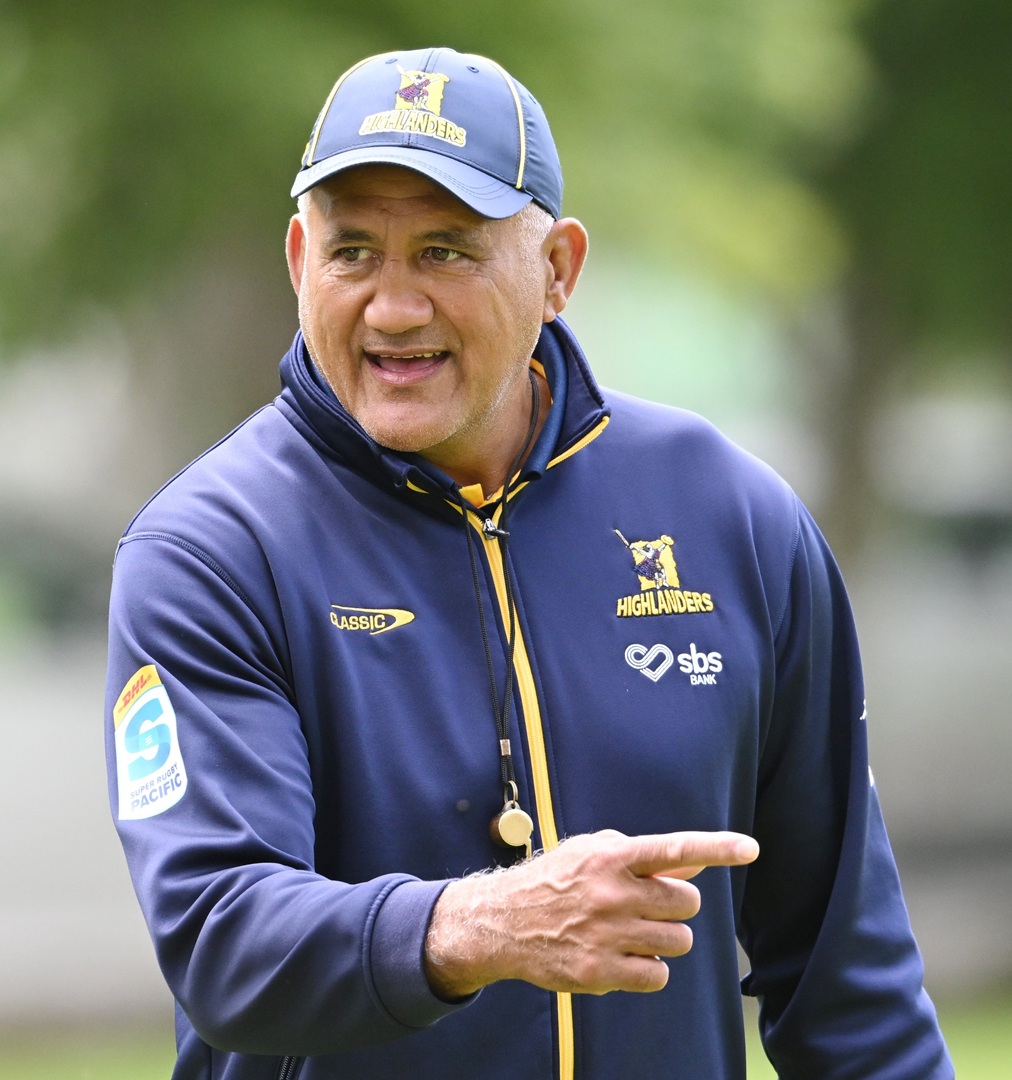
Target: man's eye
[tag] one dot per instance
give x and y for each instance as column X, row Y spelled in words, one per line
column 440, row 254
column 353, row 254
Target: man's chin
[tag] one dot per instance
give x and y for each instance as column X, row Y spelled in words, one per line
column 403, row 440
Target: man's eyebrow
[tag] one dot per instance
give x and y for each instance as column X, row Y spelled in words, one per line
column 453, row 238
column 343, row 234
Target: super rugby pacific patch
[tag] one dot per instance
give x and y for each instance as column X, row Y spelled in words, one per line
column 149, row 766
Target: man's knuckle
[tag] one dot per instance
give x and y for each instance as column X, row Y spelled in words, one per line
column 691, row 899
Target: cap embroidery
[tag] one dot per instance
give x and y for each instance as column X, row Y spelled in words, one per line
column 421, row 90
column 418, row 103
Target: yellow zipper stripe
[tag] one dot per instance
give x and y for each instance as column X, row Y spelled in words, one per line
column 530, row 705
column 542, row 785
column 543, row 803
column 567, row 1039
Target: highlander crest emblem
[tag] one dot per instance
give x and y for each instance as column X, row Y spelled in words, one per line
column 654, row 561
column 661, row 592
column 417, row 109
column 420, row 90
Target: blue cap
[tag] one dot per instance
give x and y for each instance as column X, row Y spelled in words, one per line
column 459, row 119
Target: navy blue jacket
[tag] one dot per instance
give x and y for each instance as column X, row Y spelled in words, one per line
column 303, row 750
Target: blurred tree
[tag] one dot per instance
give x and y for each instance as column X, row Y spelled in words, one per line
column 136, row 138
column 922, row 197
column 797, row 149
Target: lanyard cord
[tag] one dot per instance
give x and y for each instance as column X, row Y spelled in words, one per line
column 501, row 533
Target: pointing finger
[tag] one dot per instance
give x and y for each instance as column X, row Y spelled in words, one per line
column 684, row 854
column 682, row 873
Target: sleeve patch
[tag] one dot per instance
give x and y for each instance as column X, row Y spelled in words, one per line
column 150, row 773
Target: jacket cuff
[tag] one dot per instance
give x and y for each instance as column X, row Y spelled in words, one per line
column 397, row 951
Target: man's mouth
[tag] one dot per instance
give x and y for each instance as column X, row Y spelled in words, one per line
column 417, row 364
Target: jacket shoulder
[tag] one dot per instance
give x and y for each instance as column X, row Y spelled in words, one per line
column 242, row 470
column 678, row 442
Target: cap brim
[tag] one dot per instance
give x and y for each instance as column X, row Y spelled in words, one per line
column 483, row 193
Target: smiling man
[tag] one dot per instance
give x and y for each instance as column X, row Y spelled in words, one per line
column 422, row 315
column 406, row 773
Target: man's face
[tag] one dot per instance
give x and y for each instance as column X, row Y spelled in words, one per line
column 421, row 314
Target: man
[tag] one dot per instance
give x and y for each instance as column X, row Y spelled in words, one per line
column 386, row 639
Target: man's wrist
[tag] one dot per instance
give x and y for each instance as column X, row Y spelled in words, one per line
column 460, row 945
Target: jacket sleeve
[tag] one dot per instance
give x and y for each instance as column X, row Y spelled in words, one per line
column 834, row 962
column 210, row 783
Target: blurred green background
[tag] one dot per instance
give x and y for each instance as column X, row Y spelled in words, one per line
column 800, row 227
column 977, row 1033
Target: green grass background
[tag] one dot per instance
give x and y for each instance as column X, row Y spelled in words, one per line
column 979, row 1033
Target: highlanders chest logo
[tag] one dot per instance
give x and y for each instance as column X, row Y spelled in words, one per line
column 661, row 591
column 417, row 107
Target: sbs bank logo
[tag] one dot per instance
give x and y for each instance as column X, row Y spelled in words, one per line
column 701, row 667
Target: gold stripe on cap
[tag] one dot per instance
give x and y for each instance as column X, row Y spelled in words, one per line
column 520, row 122
column 311, row 148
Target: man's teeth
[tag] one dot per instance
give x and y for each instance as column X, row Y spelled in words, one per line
column 404, row 363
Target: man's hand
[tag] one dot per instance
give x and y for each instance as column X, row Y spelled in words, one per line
column 594, row 915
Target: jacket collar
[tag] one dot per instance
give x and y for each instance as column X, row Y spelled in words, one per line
column 577, row 407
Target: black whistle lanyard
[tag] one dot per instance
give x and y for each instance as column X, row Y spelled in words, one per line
column 512, row 837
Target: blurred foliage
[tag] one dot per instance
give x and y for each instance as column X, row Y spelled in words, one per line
column 133, row 137
column 776, row 146
column 923, row 194
column 840, row 163
column 922, row 302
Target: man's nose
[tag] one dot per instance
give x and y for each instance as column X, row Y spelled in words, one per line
column 399, row 302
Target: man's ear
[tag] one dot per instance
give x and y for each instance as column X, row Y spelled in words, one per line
column 295, row 249
column 566, row 250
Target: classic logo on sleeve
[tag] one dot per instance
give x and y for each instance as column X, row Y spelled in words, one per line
column 150, row 773
column 661, row 590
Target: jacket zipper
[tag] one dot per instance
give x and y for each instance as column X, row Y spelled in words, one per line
column 290, row 1068
column 542, row 786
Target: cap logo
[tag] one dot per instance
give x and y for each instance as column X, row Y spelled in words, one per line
column 418, row 104
column 420, row 90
